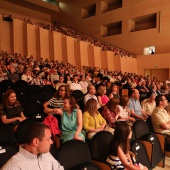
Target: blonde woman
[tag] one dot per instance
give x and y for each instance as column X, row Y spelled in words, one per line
column 101, row 95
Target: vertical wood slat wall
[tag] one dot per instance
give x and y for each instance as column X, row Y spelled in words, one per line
column 20, row 37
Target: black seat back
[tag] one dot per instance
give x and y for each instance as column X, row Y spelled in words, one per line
column 74, row 154
column 139, row 150
column 100, row 145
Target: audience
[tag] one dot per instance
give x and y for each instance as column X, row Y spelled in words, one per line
column 54, row 77
column 101, row 96
column 27, row 76
column 125, row 113
column 2, row 75
column 93, row 122
column 47, row 79
column 55, row 104
column 111, row 112
column 119, row 157
column 91, row 94
column 83, row 84
column 114, row 92
column 61, row 82
column 161, row 119
column 38, row 80
column 75, row 85
column 11, row 111
column 35, row 152
column 148, row 105
column 103, row 82
column 44, row 70
column 135, row 107
column 71, row 121
column 12, row 75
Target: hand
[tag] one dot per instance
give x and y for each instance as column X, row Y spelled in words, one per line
column 57, row 111
column 77, row 137
column 98, row 130
column 20, row 119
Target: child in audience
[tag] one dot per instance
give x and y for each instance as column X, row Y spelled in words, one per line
column 119, row 157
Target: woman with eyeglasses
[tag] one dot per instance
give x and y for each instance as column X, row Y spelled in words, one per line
column 55, row 104
column 119, row 157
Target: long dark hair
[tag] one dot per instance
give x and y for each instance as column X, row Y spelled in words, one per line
column 120, row 138
column 112, row 103
column 124, row 100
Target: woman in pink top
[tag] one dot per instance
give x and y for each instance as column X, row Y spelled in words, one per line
column 111, row 112
column 101, row 95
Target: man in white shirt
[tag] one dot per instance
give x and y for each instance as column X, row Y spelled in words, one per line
column 35, row 153
column 75, row 85
column 27, row 76
column 91, row 94
column 160, row 118
column 83, row 84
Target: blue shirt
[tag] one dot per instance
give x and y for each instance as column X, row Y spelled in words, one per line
column 135, row 106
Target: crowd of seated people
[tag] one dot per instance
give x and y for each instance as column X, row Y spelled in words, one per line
column 100, row 108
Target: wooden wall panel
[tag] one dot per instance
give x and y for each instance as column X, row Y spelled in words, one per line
column 31, row 42
column 57, row 46
column 104, row 59
column 70, row 50
column 44, row 43
column 97, row 56
column 5, row 35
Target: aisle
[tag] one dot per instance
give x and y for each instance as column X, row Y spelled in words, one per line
column 167, row 165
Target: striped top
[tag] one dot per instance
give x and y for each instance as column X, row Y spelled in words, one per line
column 54, row 102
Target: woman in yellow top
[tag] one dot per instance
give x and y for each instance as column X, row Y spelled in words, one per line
column 93, row 122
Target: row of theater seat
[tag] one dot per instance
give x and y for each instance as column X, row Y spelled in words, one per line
column 27, row 93
column 146, row 145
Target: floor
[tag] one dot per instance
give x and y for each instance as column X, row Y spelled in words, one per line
column 167, row 165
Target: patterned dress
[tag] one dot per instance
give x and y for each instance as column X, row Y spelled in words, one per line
column 115, row 162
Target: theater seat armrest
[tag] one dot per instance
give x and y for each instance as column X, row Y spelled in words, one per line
column 148, row 146
column 161, row 138
column 102, row 165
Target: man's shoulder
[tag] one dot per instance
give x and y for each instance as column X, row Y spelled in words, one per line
column 157, row 111
column 13, row 162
